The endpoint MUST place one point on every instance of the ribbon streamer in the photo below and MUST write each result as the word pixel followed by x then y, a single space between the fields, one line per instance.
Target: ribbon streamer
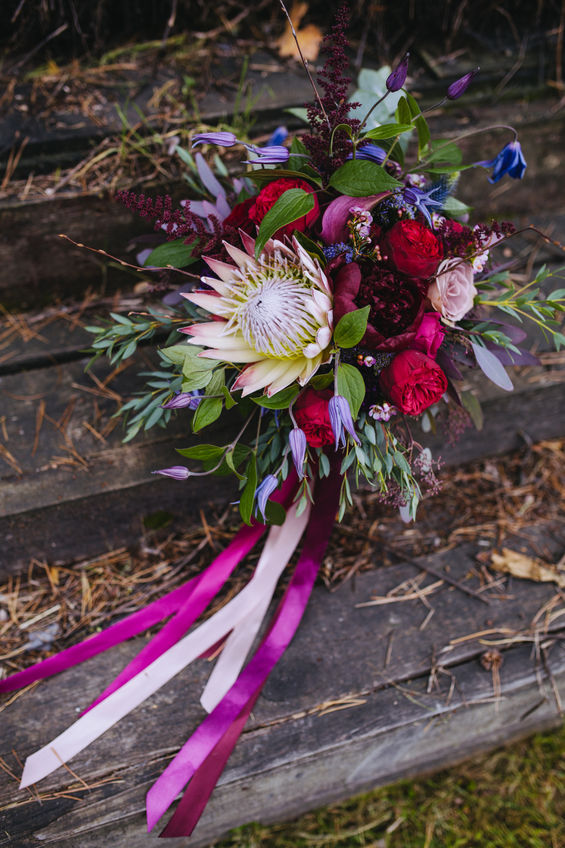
pixel 138 688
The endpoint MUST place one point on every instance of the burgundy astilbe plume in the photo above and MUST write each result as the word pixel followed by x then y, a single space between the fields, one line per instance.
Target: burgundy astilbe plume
pixel 179 223
pixel 335 84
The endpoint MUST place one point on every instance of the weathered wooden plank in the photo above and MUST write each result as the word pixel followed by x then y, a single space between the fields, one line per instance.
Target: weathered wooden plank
pixel 296 752
pixel 109 488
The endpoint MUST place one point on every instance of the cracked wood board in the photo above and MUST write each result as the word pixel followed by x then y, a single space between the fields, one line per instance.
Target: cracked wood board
pixel 299 751
pixel 74 480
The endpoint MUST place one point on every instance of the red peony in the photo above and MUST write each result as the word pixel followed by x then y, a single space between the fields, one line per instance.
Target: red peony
pixel 396 303
pixel 268 196
pixel 413 249
pixel 312 416
pixel 413 381
pixel 239 216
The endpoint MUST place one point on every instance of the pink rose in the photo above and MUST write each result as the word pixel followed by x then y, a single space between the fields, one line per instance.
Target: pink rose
pixel 452 292
pixel 429 334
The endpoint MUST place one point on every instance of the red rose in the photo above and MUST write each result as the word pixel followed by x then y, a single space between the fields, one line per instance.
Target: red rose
pixel 312 415
pixel 413 249
pixel 413 381
pixel 268 196
pixel 239 216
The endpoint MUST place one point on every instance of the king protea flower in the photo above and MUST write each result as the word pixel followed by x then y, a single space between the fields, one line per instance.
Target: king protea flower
pixel 273 313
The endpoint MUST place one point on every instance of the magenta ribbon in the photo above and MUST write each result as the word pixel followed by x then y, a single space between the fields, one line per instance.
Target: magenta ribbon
pixel 203 756
pixel 187 601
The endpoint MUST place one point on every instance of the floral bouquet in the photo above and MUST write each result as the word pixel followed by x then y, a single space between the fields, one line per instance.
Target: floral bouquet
pixel 344 298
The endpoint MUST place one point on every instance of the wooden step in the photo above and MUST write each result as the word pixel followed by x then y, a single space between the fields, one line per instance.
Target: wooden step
pixel 364 696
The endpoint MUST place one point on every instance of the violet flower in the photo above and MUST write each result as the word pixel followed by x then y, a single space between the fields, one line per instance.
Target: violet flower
pixel 460 86
pixel 397 78
pixel 341 420
pixel 274 154
pixel 278 135
pixel 177 472
pixel 222 139
pixel 264 491
pixel 509 161
pixel 297 442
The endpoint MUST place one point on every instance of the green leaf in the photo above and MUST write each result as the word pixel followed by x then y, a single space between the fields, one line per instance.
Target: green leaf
pixel 248 494
pixel 445 152
pixel 321 381
pixel 229 459
pixel 175 253
pixel 208 411
pixel 205 453
pixel 228 398
pixel 194 365
pixel 403 113
pixel 292 205
pixel 299 155
pixel 422 128
pixel 179 352
pixel 351 327
pixel 267 175
pixel 310 246
pixel 361 178
pixel 275 513
pixel 388 131
pixel 281 400
pixel 455 207
pixel 351 385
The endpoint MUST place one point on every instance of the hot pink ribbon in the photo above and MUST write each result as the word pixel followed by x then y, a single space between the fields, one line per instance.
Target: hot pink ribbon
pixel 188 600
pixel 220 730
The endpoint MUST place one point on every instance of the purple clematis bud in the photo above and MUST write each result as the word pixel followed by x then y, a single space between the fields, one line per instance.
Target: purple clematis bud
pixel 397 78
pixel 177 472
pixel 509 161
pixel 341 420
pixel 297 442
pixel 222 139
pixel 460 86
pixel 182 400
pixel 276 154
pixel 264 491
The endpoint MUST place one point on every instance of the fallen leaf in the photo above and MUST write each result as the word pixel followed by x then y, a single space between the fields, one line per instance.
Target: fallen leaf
pixel 309 38
pixel 521 565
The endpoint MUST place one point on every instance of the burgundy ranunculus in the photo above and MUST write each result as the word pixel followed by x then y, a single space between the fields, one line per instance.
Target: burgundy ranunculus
pixel 239 217
pixel 413 249
pixel 396 303
pixel 311 412
pixel 429 334
pixel 269 195
pixel 413 381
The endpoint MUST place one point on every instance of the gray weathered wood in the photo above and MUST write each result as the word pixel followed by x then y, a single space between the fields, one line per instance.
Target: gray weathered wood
pixel 297 752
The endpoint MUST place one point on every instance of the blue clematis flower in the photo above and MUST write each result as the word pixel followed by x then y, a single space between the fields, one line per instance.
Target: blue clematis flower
pixel 297 442
pixel 341 420
pixel 423 200
pixel 509 161
pixel 264 491
pixel 222 139
pixel 370 151
pixel 177 472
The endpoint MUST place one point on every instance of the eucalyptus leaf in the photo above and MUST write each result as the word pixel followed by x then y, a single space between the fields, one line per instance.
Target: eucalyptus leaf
pixel 281 400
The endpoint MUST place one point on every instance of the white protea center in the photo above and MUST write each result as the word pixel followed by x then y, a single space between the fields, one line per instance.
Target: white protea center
pixel 275 311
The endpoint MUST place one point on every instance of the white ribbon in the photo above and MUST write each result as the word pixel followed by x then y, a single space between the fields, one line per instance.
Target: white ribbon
pixel 251 601
pixel 278 550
